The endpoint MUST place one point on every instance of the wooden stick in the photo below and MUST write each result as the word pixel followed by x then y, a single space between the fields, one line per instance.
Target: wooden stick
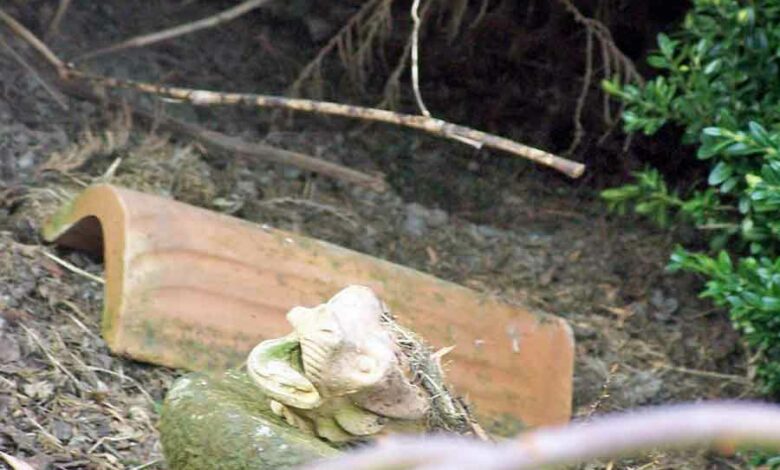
pixel 210 98
pixel 54 26
pixel 221 142
pixel 207 137
pixel 31 39
pixel 170 33
pixel 429 125
pixel 59 99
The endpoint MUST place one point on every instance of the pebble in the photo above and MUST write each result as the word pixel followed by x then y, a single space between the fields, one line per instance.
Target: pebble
pixel 26 161
pixel 291 173
pixel 61 430
pixel 415 220
pixel 438 218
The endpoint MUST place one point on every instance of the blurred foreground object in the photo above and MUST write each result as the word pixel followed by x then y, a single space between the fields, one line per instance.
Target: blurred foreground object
pixel 724 426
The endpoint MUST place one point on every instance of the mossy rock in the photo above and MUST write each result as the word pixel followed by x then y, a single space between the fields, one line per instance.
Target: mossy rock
pixel 224 422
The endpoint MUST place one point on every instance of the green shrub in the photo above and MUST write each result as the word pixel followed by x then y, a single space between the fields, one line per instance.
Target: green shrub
pixel 720 81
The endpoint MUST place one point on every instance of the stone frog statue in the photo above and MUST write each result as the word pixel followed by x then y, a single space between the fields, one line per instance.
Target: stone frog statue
pixel 340 374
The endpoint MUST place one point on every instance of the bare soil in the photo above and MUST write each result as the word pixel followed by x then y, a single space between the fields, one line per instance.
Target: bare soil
pixel 485 221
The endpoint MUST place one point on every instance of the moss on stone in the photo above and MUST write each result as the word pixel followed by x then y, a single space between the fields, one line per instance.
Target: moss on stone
pixel 224 422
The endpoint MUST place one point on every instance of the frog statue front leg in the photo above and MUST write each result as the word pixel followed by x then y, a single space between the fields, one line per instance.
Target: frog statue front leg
pixel 339 374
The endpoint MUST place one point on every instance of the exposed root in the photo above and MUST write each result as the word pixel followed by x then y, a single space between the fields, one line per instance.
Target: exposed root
pixel 355 43
pixel 613 62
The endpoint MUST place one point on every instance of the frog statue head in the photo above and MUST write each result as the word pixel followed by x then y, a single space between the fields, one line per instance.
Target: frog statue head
pixel 340 373
pixel 344 347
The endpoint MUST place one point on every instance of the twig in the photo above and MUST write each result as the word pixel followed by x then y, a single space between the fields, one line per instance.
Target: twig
pixel 614 62
pixel 233 145
pixel 15 463
pixel 54 26
pixel 624 64
pixel 709 374
pixel 51 91
pixel 43 430
pixel 579 130
pixel 604 395
pixel 391 93
pixel 122 378
pixel 336 42
pixel 209 138
pixel 73 267
pixel 187 28
pixel 415 59
pixel 147 464
pixel 209 98
pixel 36 43
pixel 314 205
pixel 57 364
pixel 480 14
pixel 719 424
pixel 426 124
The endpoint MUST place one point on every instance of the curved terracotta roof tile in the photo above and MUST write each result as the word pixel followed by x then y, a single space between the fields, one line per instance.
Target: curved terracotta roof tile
pixel 186 287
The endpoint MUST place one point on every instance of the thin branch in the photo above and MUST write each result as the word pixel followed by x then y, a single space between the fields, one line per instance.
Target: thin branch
pixel 579 130
pixel 341 41
pixel 57 364
pixel 59 99
pixel 605 37
pixel 710 374
pixel 73 268
pixel 391 93
pixel 15 463
pixel 415 59
pixel 722 425
pixel 210 98
pixel 233 145
pixel 187 28
pixel 480 14
pixel 426 124
pixel 54 26
pixel 207 137
pixel 36 43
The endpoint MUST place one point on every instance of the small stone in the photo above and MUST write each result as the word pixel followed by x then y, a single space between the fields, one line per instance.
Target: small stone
pixel 415 221
pixel 61 430
pixel 26 161
pixel 266 178
pixel 438 218
pixel 247 190
pixel 582 331
pixel 488 231
pixel 291 173
pixel 319 28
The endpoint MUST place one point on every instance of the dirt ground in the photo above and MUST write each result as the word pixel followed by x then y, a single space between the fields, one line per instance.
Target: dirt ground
pixel 488 222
